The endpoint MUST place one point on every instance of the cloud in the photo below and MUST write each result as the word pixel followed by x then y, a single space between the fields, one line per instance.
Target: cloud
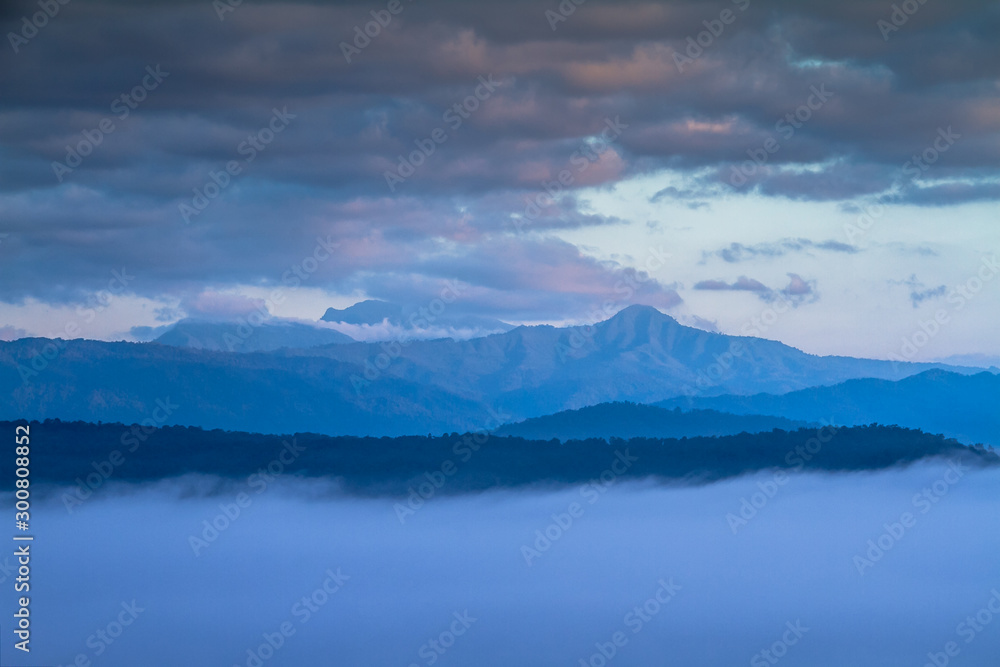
pixel 525 279
pixel 797 287
pixel 693 198
pixel 394 332
pixel 738 252
pixel 798 290
pixel 702 323
pixel 146 334
pixel 10 332
pixel 324 176
pixel 919 292
pixel 785 566
pixel 742 284
pixel 212 305
pixel 555 92
pixel 918 297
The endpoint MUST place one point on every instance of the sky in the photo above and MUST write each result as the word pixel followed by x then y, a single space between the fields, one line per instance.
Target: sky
pixel 827 170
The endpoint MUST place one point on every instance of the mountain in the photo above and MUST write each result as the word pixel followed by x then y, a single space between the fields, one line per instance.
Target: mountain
pixel 127 382
pixel 987 361
pixel 963 407
pixel 633 420
pixel 638 355
pixel 373 313
pixel 242 337
pixel 411 386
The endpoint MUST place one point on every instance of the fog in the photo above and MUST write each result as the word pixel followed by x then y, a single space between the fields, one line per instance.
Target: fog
pixel 456 571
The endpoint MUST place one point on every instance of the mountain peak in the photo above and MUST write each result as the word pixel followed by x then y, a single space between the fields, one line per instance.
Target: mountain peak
pixel 637 312
pixel 639 325
pixel 370 311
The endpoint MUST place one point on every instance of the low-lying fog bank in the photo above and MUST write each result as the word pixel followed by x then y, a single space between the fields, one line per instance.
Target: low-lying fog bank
pixel 862 569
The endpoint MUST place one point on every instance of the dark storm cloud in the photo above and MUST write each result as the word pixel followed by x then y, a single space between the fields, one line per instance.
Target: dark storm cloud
pixel 550 95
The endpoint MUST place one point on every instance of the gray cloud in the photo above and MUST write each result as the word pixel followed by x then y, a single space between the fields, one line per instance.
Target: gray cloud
pixel 798 290
pixel 798 286
pixel 919 292
pixel 10 332
pixel 742 284
pixel 739 252
pixel 325 174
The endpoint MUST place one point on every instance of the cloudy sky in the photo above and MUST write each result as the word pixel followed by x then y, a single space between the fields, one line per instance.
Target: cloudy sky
pixel 824 173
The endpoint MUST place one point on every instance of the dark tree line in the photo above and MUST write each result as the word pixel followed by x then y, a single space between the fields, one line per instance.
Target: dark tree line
pixel 62 452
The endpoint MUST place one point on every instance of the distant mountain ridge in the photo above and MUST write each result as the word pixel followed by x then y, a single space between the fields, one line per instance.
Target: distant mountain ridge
pixel 638 355
pixel 244 337
pixel 373 312
pixel 634 420
pixel 985 361
pixel 429 386
pixel 964 407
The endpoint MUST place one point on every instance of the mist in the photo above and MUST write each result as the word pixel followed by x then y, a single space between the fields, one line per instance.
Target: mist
pixel 634 573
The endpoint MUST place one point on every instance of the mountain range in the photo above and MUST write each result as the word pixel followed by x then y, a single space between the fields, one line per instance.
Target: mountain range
pixel 414 386
pixel 638 355
pixel 634 420
pixel 245 337
pixel 963 407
